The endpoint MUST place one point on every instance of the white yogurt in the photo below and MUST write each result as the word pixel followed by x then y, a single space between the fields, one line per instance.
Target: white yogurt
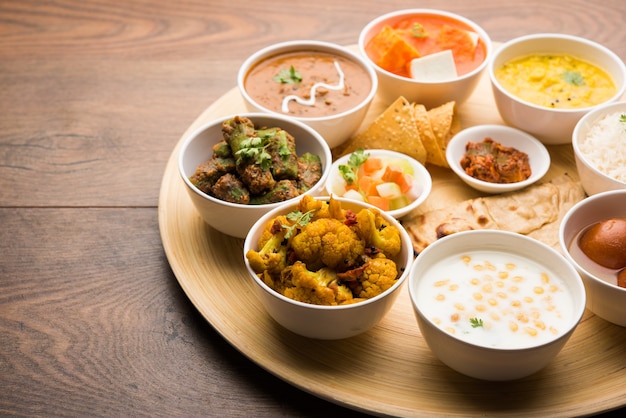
pixel 495 299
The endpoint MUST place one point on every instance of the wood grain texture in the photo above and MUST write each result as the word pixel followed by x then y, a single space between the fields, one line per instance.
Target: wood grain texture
pixel 94 96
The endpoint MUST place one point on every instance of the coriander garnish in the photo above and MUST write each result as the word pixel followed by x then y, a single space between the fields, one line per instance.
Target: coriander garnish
pixel 290 76
pixel 476 322
pixel 418 31
pixel 574 77
pixel 301 219
pixel 254 148
pixel 348 171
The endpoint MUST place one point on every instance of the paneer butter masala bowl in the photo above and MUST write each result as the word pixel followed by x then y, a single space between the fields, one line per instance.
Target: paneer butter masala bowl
pixel 391 181
pixel 327 268
pixel 324 85
pixel 495 305
pixel 239 167
pixel 544 83
pixel 428 56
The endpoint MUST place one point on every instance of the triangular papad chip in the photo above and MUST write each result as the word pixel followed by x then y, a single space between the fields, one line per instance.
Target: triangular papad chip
pixel 445 123
pixel 434 154
pixel 395 129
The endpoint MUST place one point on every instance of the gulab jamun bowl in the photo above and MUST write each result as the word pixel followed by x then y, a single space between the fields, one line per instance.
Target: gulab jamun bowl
pixel 592 236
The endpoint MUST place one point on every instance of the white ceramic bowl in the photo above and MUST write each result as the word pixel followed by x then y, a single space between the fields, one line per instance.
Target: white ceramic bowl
pixel 514 355
pixel 423 183
pixel 551 126
pixel 434 93
pixel 538 156
pixel 327 322
pixel 604 297
pixel 593 180
pixel 335 129
pixel 231 218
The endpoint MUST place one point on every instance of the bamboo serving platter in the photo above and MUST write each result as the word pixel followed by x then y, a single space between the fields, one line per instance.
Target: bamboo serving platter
pixel 388 370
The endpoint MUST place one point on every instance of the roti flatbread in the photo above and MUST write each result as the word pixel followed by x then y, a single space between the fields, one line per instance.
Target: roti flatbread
pixel 535 211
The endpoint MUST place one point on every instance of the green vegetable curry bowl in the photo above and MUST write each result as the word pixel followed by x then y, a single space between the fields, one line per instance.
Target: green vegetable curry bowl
pixel 379 267
pixel 233 183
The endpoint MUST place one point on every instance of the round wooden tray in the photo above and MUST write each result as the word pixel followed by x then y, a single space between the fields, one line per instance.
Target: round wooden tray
pixel 388 370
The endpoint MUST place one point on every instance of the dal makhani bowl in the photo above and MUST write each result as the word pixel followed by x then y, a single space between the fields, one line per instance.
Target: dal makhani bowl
pixel 326 86
pixel 599 141
pixel 428 56
pixel 327 290
pixel 495 305
pixel 544 83
pixel 206 165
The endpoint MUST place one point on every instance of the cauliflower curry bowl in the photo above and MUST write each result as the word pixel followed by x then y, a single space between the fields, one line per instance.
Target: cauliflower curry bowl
pixel 427 56
pixel 326 86
pixel 326 267
pixel 239 167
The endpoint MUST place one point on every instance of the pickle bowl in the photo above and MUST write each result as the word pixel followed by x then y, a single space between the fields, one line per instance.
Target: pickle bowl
pixel 551 124
pixel 538 155
pixel 323 321
pixel 236 219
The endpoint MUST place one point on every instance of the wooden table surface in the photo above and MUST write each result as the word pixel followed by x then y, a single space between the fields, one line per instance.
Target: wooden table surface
pixel 94 95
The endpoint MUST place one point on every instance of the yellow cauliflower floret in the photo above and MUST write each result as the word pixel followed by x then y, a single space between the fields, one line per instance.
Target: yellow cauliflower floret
pixel 327 242
pixel 378 233
pixel 272 255
pixel 379 274
pixel 317 287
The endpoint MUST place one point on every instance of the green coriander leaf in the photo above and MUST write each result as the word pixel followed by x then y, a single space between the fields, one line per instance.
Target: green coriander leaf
pixel 476 322
pixel 346 172
pixel 355 160
pixel 417 31
pixel 290 76
pixel 622 118
pixel 574 77
pixel 300 219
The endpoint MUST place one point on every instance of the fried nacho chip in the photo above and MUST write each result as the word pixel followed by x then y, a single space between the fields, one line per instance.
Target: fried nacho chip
pixel 395 129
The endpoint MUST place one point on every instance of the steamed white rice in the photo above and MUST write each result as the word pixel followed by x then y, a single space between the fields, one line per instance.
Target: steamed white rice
pixel 604 146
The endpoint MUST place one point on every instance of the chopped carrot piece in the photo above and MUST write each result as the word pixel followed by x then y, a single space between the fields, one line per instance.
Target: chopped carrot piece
pixel 371 165
pixel 368 186
pixel 405 181
pixel 392 173
pixel 390 50
pixel 379 202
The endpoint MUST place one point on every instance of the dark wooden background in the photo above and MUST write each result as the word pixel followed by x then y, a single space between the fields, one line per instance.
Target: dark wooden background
pixel 94 94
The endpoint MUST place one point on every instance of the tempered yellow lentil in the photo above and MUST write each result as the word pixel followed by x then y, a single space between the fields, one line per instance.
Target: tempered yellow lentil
pixel 556 81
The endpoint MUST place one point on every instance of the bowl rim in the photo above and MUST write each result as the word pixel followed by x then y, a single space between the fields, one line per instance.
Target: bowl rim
pixel 424 174
pixel 481 236
pixel 248 244
pixel 588 119
pixel 304 45
pixel 484 36
pixel 536 175
pixel 621 89
pixel 251 115
pixel 564 246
